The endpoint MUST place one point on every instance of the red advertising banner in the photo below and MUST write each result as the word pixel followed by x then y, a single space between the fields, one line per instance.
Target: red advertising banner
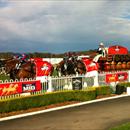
pixel 90 66
pixel 43 68
pixel 19 87
pixel 120 76
pixel 113 50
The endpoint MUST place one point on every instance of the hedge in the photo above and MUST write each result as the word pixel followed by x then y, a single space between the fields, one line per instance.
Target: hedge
pixel 44 100
pixel 121 87
pixel 103 90
pixel 24 103
pixel 125 84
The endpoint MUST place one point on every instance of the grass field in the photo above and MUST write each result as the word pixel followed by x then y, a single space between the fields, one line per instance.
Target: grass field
pixel 4 77
pixel 122 127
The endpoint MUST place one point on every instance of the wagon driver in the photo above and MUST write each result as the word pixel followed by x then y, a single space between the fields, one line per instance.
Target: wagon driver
pixel 101 52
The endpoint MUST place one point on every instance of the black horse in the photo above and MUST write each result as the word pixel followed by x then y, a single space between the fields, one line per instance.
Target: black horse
pixel 70 66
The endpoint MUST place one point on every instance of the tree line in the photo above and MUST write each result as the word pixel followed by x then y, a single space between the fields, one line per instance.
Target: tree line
pixel 7 55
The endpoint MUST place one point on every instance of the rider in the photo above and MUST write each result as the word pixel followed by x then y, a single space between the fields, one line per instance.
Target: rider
pixel 17 56
pixel 23 59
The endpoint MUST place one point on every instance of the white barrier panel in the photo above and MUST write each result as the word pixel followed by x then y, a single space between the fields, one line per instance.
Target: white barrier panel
pixel 42 78
pixel 128 90
pixel 93 74
pixel 129 76
pixel 53 60
pixel 51 84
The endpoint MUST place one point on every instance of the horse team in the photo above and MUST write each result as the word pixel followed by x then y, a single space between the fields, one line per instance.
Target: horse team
pixel 68 66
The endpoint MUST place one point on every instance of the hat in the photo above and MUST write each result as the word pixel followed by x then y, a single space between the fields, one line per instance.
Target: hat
pixel 23 54
pixel 101 44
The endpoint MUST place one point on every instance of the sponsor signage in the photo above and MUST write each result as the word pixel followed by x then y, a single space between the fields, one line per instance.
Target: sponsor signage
pixel 90 66
pixel 120 76
pixel 28 87
pixel 19 87
pixel 77 83
pixel 113 50
pixel 43 68
pixel 10 88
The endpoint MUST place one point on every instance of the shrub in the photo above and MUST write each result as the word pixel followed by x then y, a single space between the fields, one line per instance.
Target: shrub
pixel 24 103
pixel 125 84
pixel 103 90
pixel 121 87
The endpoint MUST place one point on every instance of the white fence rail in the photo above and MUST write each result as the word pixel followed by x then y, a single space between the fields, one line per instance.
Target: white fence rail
pixel 2 70
pixel 67 83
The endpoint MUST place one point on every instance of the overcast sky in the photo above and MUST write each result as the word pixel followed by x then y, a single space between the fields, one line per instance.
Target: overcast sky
pixel 59 26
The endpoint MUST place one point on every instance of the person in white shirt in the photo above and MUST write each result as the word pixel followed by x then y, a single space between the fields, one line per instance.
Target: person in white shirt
pixel 101 52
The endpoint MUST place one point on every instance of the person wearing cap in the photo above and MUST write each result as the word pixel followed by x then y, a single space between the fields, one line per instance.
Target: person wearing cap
pixel 23 59
pixel 101 52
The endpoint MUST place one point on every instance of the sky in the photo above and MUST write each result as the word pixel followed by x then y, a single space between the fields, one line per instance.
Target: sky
pixel 59 26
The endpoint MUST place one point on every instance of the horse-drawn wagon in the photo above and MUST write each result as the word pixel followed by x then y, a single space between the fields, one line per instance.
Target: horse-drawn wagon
pixel 116 58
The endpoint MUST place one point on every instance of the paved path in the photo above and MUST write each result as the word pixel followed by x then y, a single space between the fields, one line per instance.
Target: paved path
pixel 95 116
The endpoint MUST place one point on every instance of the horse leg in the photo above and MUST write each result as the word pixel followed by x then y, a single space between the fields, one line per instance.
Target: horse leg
pixel 12 74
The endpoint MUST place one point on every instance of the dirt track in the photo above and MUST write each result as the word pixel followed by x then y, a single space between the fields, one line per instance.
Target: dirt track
pixel 95 116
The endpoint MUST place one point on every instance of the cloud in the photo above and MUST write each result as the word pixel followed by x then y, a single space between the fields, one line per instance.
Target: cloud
pixel 57 26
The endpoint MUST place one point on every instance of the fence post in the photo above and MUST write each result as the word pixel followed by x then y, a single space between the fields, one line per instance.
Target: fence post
pixel 96 79
pixel 70 87
pixel 85 85
pixel 50 89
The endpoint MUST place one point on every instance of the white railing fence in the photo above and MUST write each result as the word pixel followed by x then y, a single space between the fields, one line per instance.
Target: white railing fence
pixel 52 84
pixel 2 70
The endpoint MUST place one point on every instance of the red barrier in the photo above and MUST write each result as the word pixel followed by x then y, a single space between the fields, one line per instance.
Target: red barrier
pixel 43 68
pixel 119 76
pixel 90 65
pixel 19 87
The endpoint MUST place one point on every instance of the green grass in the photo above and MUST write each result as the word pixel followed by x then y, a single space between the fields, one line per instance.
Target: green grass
pixel 55 73
pixel 125 126
pixel 24 103
pixel 4 77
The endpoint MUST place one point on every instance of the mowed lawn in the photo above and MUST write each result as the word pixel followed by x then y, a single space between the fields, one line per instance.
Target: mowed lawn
pixel 4 77
pixel 122 127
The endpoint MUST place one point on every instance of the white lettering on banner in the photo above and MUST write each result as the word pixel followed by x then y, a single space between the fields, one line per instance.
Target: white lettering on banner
pixel 45 67
pixel 29 87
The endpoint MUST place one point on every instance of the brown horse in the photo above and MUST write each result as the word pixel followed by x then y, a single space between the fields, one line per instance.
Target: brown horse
pixel 26 70
pixel 10 65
